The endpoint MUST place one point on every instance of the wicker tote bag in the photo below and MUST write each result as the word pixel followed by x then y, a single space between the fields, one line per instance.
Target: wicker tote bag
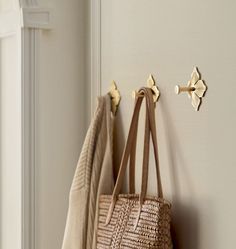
pixel 136 220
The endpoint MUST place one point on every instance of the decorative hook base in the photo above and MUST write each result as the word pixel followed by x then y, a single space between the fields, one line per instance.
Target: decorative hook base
pixel 151 84
pixel 195 88
pixel 115 97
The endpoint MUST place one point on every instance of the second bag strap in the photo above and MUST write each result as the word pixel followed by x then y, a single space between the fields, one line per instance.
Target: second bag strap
pixel 151 111
pixel 150 128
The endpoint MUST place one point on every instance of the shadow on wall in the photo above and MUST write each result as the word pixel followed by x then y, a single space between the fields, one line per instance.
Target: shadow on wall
pixel 119 142
pixel 185 217
pixel 185 226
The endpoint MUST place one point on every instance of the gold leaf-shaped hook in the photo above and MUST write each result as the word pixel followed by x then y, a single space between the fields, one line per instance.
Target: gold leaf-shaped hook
pixel 115 97
pixel 151 84
pixel 195 88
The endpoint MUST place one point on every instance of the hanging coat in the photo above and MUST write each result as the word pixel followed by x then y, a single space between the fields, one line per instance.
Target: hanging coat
pixel 93 176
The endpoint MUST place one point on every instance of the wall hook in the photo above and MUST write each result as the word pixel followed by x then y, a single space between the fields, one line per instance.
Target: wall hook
pixel 151 84
pixel 115 97
pixel 195 88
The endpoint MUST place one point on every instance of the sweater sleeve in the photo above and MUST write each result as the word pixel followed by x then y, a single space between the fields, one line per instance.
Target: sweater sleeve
pixel 76 223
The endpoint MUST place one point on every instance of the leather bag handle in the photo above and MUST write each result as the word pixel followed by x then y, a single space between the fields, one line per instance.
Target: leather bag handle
pixel 150 127
pixel 132 158
pixel 133 150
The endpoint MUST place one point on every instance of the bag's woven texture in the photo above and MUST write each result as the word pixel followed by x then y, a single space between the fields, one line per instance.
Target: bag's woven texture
pixel 152 231
pixel 131 221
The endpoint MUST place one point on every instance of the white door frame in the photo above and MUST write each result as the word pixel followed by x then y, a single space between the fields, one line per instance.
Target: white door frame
pixel 26 19
pixel 31 28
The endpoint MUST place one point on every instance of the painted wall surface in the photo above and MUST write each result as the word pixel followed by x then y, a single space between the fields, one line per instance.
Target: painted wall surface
pixel 167 39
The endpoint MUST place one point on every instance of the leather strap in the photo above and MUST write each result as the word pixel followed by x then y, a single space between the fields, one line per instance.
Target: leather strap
pixel 150 129
pixel 132 171
pixel 133 151
pixel 132 161
pixel 152 122
pixel 133 157
pixel 146 150
pixel 129 151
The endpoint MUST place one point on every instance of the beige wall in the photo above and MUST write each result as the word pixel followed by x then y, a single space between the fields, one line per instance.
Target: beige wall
pixel 167 39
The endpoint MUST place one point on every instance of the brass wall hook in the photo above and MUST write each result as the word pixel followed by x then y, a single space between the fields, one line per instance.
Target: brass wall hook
pixel 195 88
pixel 151 84
pixel 115 97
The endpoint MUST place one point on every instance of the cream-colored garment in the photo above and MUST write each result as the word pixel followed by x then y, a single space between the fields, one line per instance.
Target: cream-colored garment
pixel 93 176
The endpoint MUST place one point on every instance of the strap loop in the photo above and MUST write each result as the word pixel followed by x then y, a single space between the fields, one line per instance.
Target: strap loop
pixel 129 151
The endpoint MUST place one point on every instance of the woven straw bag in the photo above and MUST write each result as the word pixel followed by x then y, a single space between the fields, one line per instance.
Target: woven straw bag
pixel 135 220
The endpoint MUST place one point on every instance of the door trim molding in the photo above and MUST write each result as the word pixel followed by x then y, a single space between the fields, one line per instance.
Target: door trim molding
pixel 25 17
pixel 36 17
pixel 29 114
pixel 33 19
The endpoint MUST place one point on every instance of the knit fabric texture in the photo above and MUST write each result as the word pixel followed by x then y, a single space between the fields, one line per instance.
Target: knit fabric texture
pixel 93 176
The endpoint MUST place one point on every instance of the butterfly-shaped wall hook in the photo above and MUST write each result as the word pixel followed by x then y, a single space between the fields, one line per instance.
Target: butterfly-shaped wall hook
pixel 151 84
pixel 115 97
pixel 196 89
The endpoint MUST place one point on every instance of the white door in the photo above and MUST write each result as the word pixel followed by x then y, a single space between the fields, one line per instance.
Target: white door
pixel 197 149
pixel 42 118
pixel 10 129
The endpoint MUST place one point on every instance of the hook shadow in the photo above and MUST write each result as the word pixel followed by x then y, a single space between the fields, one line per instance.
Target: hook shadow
pixel 185 218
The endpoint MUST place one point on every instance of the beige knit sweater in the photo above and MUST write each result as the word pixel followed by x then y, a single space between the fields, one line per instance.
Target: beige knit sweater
pixel 93 176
